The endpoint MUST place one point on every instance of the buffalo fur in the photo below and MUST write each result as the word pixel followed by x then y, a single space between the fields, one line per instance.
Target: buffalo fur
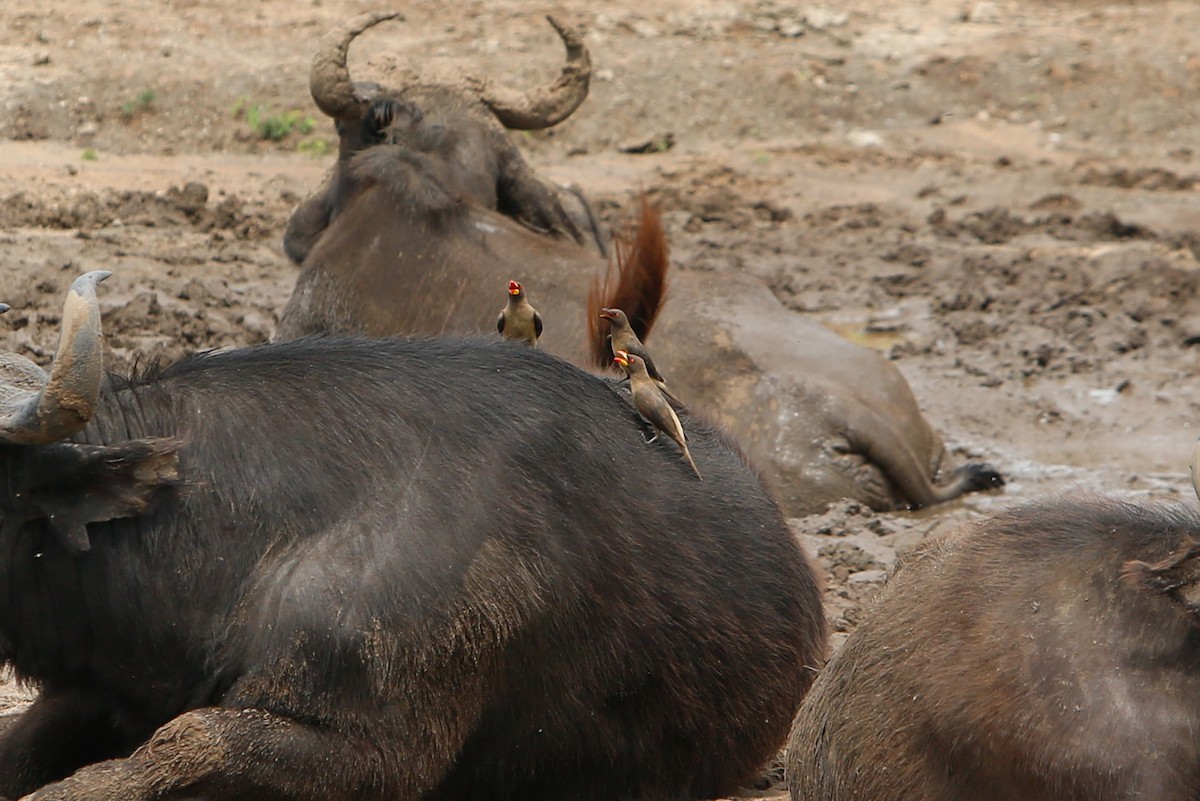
pixel 1049 653
pixel 401 569
pixel 440 262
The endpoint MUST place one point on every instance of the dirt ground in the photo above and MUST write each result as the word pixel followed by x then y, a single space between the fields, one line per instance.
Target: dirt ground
pixel 1003 196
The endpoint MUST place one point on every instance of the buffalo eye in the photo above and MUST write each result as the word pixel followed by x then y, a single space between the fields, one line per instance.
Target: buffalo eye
pixel 380 114
pixel 384 115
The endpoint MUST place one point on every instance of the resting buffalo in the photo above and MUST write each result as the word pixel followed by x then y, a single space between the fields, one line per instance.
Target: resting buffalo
pixel 417 231
pixel 1047 654
pixel 381 569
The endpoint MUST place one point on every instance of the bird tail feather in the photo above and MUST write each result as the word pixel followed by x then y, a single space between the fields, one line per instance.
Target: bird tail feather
pixel 635 282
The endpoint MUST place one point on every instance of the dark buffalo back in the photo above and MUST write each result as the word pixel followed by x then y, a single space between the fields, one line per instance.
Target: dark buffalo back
pixel 461 552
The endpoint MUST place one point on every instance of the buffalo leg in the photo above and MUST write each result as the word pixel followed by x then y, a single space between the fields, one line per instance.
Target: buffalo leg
pixel 58 734
pixel 881 443
pixel 221 753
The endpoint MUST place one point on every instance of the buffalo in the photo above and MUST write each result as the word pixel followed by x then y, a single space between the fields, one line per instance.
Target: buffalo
pixel 1050 653
pixel 453 143
pixel 339 568
pixel 430 210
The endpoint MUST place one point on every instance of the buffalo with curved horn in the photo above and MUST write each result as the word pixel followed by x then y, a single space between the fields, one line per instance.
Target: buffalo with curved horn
pixel 430 210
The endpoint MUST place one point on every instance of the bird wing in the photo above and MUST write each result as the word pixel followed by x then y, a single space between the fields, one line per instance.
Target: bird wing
pixel 500 323
pixel 671 397
pixel 654 407
pixel 650 368
pixel 537 324
pixel 628 341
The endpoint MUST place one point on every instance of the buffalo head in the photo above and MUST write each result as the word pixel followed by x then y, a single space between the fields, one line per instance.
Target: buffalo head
pixel 441 140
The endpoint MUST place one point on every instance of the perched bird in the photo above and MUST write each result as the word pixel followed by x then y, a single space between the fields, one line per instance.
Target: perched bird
pixel 518 319
pixel 650 403
pixel 623 338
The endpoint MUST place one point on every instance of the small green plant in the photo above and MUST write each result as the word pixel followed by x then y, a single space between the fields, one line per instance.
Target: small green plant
pixel 314 146
pixel 89 154
pixel 140 103
pixel 269 125
pixel 276 127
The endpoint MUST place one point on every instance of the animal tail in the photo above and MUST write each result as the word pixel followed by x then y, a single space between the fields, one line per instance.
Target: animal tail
pixel 636 283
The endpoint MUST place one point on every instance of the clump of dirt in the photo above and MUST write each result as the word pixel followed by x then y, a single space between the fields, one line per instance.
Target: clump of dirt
pixel 1149 179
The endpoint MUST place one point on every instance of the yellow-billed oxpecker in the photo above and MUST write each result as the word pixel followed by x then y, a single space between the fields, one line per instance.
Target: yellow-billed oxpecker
pixel 518 319
pixel 624 338
pixel 650 403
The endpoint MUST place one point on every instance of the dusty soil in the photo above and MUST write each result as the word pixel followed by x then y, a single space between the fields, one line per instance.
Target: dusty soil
pixel 1001 195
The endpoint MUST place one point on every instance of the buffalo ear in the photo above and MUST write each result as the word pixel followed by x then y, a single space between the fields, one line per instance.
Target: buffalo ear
pixel 1177 576
pixel 81 484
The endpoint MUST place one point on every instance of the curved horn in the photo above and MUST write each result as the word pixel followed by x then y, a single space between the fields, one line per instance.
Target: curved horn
pixel 550 106
pixel 36 408
pixel 329 78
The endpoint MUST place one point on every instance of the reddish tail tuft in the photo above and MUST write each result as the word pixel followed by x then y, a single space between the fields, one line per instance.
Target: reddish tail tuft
pixel 640 283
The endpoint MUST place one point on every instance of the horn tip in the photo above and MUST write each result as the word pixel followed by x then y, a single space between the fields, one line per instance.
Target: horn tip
pixel 87 282
pixel 565 31
pixel 4 307
pixel 373 18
